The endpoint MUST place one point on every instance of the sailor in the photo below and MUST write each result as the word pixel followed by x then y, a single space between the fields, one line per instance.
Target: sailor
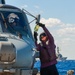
pixel 47 52
pixel 13 19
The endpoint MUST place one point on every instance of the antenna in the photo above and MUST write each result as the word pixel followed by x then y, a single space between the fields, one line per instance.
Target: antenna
pixel 58 49
pixel 2 1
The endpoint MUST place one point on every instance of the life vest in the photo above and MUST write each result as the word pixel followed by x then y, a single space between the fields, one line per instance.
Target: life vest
pixel 47 54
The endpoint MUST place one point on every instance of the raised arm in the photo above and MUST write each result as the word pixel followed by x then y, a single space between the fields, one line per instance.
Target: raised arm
pixel 35 38
pixel 50 37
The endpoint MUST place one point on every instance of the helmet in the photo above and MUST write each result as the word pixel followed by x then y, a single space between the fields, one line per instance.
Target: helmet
pixel 13 18
pixel 42 34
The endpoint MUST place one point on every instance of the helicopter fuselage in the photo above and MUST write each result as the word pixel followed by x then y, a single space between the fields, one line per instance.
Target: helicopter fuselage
pixel 17 47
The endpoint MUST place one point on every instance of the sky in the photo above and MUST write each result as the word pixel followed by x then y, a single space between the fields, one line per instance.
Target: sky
pixel 58 16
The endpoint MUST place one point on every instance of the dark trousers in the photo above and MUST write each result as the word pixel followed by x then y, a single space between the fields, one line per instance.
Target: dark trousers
pixel 50 70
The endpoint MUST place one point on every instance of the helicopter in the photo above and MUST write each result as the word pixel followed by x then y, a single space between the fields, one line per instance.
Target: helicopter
pixel 17 46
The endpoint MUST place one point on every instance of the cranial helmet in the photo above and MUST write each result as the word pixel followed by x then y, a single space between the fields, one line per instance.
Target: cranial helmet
pixel 42 34
pixel 13 18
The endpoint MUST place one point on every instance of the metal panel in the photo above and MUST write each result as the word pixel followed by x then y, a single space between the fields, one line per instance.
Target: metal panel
pixel 26 72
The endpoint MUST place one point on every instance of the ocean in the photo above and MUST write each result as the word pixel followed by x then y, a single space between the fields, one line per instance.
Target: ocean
pixel 62 66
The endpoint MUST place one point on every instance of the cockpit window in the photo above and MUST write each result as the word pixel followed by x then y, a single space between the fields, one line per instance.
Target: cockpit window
pixel 13 22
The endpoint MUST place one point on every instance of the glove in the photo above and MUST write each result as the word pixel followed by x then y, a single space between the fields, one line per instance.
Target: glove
pixel 35 35
pixel 40 24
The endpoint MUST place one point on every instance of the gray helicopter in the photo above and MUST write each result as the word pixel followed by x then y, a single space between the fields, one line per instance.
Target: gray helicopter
pixel 17 46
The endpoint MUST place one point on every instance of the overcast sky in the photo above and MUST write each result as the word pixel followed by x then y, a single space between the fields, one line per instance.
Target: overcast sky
pixel 59 18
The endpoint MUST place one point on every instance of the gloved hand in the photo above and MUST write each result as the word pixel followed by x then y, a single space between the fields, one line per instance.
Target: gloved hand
pixel 35 35
pixel 41 25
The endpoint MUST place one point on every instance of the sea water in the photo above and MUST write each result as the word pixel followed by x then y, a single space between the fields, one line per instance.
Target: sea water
pixel 62 66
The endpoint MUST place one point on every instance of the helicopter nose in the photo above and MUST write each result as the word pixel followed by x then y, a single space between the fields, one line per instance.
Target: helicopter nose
pixel 7 53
